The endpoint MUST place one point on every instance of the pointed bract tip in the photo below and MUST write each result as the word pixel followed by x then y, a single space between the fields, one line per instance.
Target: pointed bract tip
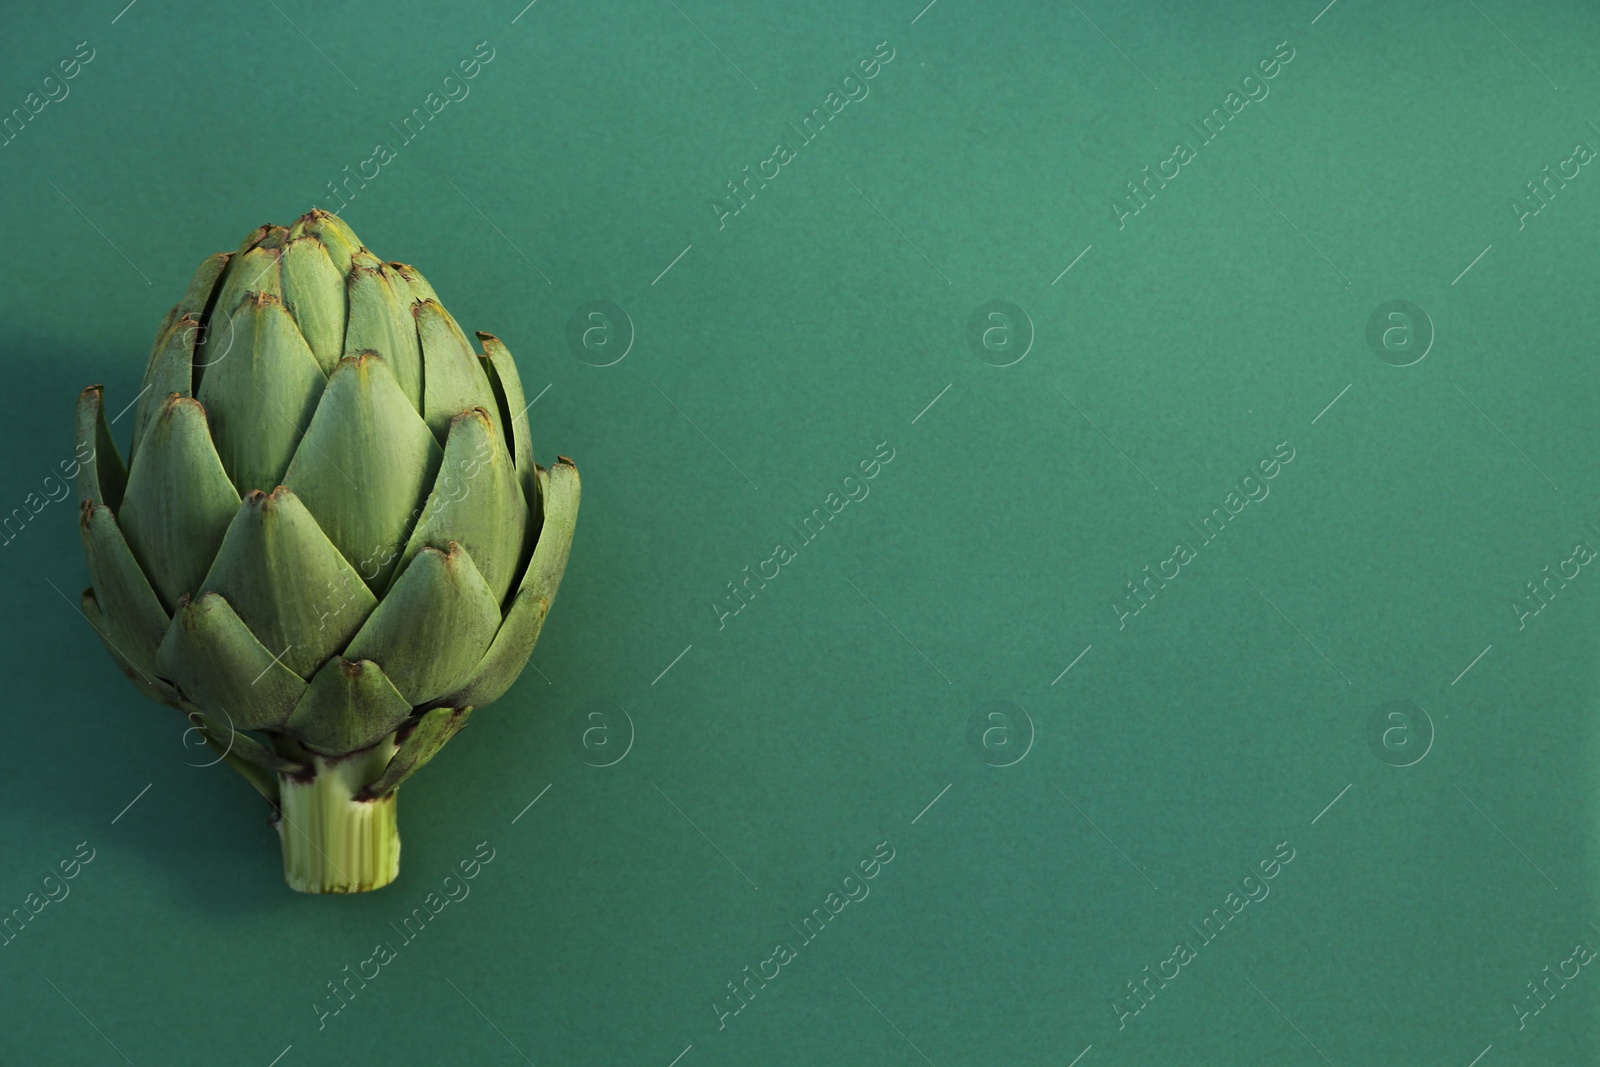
pixel 449 556
pixel 358 360
pixel 479 413
pixel 263 233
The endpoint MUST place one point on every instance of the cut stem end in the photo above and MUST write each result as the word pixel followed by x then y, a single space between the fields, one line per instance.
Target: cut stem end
pixel 333 842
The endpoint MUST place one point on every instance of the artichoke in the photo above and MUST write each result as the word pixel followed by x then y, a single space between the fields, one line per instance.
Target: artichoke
pixel 330 541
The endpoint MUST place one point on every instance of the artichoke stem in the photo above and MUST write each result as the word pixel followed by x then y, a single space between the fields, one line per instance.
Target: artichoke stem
pixel 332 842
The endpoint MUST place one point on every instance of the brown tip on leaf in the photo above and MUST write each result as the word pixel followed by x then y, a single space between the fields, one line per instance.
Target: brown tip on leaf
pixel 473 412
pixel 351 668
pixel 86 511
pixel 100 389
pixel 256 236
pixel 450 556
pixel 567 461
pixel 482 336
pixel 255 498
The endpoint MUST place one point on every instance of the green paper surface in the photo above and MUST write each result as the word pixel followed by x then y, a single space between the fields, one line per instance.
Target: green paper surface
pixel 926 514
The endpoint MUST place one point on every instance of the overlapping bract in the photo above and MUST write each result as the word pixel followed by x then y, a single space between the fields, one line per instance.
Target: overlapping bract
pixel 331 526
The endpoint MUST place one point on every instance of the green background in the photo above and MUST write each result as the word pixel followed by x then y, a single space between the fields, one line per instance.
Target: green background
pixel 773 356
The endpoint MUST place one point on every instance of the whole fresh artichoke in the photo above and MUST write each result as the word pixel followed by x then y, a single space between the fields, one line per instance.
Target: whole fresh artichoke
pixel 330 541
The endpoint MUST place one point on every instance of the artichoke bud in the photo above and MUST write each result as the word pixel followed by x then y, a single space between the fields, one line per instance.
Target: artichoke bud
pixel 331 541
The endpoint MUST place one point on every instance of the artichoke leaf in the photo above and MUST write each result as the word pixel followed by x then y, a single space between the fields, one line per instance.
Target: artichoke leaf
pixel 203 286
pixel 220 667
pixel 560 490
pixel 154 688
pixel 313 291
pixel 420 289
pixel 508 653
pixel 428 735
pixel 261 235
pixel 196 298
pixel 453 381
pixel 251 273
pixel 288 582
pixel 409 349
pixel 161 375
pixel 238 748
pixel 171 372
pixel 365 466
pixel 260 391
pixel 347 707
pixel 178 501
pixel 339 240
pixel 475 501
pixel 380 321
pixel 507 383
pixel 432 628
pixel 101 476
pixel 135 620
pixel 514 641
